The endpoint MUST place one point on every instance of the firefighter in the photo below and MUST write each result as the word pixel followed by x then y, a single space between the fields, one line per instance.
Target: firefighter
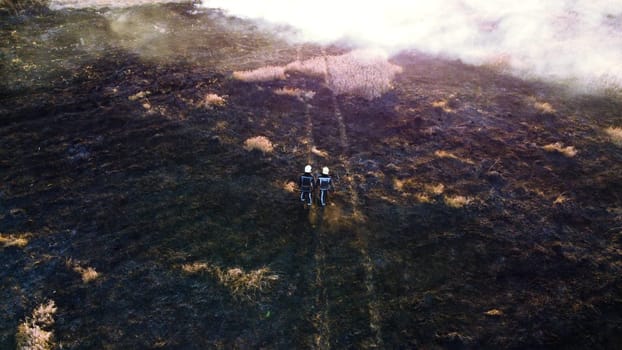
pixel 306 184
pixel 324 183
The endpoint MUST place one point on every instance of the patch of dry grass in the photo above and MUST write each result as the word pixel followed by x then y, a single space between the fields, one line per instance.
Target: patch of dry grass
pixel 365 73
pixel 319 152
pixel 139 95
pixel 398 184
pixel 34 333
pixel 615 135
pixel 88 273
pixel 544 107
pixel 289 186
pixel 560 199
pixel 213 100
pixel 445 154
pixel 423 198
pixel 361 72
pixel 568 151
pixel 457 201
pixel 442 104
pixel 494 312
pixel 241 283
pixel 260 143
pixel 434 189
pixel 19 240
pixel 266 73
pixel 315 67
pixel 295 92
pixel 195 267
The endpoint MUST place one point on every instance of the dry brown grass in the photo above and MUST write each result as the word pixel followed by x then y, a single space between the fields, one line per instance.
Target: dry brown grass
pixel 457 201
pixel 213 100
pixel 295 92
pixel 19 240
pixel 423 198
pixel 568 151
pixel 494 312
pixel 88 274
pixel 34 333
pixel 241 283
pixel 139 95
pixel 434 189
pixel 445 154
pixel 266 73
pixel 560 199
pixel 260 143
pixel 615 135
pixel 195 267
pixel 442 104
pixel 289 186
pixel 319 152
pixel 364 73
pixel 315 67
pixel 544 107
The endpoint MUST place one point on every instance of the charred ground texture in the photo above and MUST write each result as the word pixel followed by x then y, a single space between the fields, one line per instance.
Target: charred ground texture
pixel 454 227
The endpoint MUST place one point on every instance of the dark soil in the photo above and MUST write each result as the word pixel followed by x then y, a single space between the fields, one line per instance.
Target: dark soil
pixel 137 187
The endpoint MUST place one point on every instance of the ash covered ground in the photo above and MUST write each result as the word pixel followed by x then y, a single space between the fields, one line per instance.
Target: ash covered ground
pixel 473 209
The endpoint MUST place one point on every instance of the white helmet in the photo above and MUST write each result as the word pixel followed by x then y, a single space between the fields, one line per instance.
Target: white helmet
pixel 308 169
pixel 325 170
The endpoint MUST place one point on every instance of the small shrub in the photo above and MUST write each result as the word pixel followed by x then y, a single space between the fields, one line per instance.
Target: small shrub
pixel 260 143
pixel 34 333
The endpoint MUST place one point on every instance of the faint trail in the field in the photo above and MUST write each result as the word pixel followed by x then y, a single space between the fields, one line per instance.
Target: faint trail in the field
pixel 321 339
pixel 361 233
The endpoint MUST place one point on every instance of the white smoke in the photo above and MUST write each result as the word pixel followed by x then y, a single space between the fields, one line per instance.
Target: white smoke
pixel 579 40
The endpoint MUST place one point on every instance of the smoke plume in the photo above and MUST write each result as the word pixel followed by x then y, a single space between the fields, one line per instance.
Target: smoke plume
pixel 569 40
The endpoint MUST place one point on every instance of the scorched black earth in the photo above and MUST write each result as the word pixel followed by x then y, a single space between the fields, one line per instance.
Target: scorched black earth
pixel 151 196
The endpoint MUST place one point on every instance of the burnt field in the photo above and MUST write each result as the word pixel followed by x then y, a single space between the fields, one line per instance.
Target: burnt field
pixel 473 209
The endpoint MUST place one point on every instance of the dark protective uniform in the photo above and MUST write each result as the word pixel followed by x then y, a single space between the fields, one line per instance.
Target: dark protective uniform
pixel 325 184
pixel 306 184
